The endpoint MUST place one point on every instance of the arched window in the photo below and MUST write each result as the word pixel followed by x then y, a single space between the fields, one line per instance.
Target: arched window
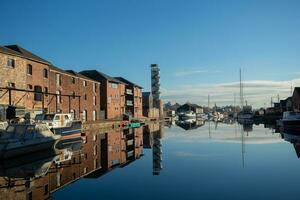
pixel 38 95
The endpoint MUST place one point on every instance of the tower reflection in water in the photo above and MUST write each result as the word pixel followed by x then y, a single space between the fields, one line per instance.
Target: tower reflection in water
pixel 36 176
pixel 153 134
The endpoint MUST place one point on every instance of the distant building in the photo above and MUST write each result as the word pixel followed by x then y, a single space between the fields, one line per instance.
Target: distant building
pixel 296 99
pixel 190 107
pixel 112 102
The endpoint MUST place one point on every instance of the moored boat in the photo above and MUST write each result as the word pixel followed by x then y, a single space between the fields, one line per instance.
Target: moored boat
pixel 290 121
pixel 61 124
pixel 20 139
pixel 188 115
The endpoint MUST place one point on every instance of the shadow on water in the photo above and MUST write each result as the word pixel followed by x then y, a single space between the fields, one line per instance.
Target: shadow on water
pixel 38 175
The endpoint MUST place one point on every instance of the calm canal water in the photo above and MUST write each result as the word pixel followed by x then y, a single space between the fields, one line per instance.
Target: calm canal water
pixel 188 161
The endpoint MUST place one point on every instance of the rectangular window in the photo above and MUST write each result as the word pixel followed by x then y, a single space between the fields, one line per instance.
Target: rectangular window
pixel 11 62
pixel 94 100
pixel 45 73
pixel 11 85
pixel 84 83
pixel 46 189
pixel 29 69
pixel 73 80
pixel 114 85
pixel 95 87
pixel 58 79
pixel 29 87
pixel 38 94
pixel 46 91
pixel 58 93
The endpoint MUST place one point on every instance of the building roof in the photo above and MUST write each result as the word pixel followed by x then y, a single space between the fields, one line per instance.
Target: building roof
pixel 96 75
pixel 80 75
pixel 70 72
pixel 297 89
pixel 21 52
pixel 127 82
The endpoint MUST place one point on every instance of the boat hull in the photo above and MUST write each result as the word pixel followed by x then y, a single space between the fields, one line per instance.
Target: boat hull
pixel 17 149
pixel 73 131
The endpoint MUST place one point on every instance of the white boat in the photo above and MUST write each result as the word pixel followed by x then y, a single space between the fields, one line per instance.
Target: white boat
pixel 20 139
pixel 61 124
pixel 189 115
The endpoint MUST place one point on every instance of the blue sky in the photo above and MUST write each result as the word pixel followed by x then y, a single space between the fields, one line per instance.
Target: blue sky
pixel 199 45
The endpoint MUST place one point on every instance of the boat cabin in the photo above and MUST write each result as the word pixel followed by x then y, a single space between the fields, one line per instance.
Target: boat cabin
pixel 55 120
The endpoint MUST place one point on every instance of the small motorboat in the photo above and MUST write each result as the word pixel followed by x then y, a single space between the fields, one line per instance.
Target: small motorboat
pixel 188 115
pixel 20 139
pixel 61 124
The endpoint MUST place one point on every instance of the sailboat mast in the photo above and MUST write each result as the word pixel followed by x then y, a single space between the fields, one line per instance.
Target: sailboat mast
pixel 208 102
pixel 241 90
pixel 234 103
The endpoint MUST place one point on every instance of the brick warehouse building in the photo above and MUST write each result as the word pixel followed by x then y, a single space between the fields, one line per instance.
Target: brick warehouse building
pixel 84 94
pixel 33 84
pixel 133 98
pixel 112 94
pixel 23 70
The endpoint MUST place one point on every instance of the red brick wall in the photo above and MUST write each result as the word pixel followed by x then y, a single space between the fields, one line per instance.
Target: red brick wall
pixel 116 147
pixel 115 101
pixel 22 80
pixel 86 93
pixel 138 104
pixel 36 79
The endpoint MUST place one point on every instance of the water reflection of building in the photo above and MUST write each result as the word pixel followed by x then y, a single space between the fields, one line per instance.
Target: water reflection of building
pixel 153 133
pixel 44 173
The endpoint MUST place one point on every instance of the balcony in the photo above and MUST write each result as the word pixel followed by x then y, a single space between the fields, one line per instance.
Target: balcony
pixel 129 103
pixel 129 92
